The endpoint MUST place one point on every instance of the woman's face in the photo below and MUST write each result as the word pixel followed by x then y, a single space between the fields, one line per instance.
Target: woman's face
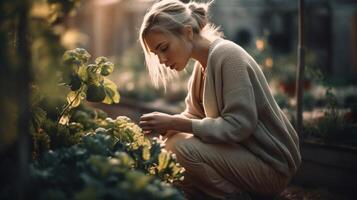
pixel 171 50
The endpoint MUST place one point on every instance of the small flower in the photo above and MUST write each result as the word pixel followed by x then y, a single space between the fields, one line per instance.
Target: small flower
pixel 182 170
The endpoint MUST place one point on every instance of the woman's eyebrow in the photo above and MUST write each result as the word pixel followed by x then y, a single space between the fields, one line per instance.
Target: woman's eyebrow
pixel 159 45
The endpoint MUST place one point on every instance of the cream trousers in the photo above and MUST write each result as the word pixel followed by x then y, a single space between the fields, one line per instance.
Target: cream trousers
pixel 218 170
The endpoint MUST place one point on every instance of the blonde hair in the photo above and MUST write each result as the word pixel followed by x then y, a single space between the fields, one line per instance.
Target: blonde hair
pixel 170 16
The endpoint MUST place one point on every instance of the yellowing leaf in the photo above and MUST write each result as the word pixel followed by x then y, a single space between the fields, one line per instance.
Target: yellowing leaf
pixel 73 98
pixel 93 74
pixel 146 153
pixel 164 159
pixel 111 90
pixel 107 68
pixel 82 95
pixel 82 54
pixel 82 73
pixel 64 120
pixel 100 60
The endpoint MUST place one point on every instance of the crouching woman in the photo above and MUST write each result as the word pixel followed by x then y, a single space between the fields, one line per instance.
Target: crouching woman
pixel 232 136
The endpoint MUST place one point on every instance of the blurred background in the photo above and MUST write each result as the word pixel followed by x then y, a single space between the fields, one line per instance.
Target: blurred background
pixel 35 33
pixel 267 29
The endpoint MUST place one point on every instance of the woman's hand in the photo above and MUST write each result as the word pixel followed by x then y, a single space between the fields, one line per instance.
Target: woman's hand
pixel 156 122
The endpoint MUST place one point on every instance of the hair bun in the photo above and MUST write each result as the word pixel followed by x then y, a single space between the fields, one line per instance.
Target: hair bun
pixel 199 12
pixel 196 8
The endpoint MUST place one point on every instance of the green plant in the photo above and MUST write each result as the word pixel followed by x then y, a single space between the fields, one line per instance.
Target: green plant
pixel 78 157
pixel 76 153
pixel 96 168
pixel 86 81
pixel 332 127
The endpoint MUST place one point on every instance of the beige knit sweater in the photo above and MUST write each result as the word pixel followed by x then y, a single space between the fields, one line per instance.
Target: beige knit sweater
pixel 238 107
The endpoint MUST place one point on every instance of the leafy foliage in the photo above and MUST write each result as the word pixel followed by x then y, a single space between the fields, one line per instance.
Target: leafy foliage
pixel 86 154
pixel 96 168
pixel 78 153
pixel 88 81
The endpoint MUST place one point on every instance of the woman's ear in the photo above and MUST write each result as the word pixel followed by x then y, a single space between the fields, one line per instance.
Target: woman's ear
pixel 188 32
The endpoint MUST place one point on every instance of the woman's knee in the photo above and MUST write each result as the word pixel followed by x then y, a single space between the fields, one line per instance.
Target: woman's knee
pixel 175 141
pixel 184 145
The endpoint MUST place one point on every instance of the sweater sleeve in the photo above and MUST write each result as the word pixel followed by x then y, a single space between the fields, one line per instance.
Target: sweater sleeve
pixel 238 118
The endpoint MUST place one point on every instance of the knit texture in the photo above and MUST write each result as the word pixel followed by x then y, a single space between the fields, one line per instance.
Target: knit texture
pixel 238 107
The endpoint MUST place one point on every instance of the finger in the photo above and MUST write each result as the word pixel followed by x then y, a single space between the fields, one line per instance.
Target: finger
pixel 155 112
pixel 146 128
pixel 145 123
pixel 146 117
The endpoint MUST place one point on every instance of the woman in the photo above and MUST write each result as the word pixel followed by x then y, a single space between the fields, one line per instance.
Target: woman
pixel 232 137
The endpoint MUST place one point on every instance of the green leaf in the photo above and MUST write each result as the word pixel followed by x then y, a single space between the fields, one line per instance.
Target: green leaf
pixel 92 68
pixel 82 73
pixel 82 95
pixel 75 82
pixel 164 159
pixel 100 60
pixel 107 68
pixel 95 93
pixel 82 54
pixel 93 74
pixel 146 153
pixel 76 56
pixel 71 57
pixel 111 90
pixel 75 127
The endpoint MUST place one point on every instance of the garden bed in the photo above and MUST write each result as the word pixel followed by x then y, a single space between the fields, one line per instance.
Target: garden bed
pixel 329 166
